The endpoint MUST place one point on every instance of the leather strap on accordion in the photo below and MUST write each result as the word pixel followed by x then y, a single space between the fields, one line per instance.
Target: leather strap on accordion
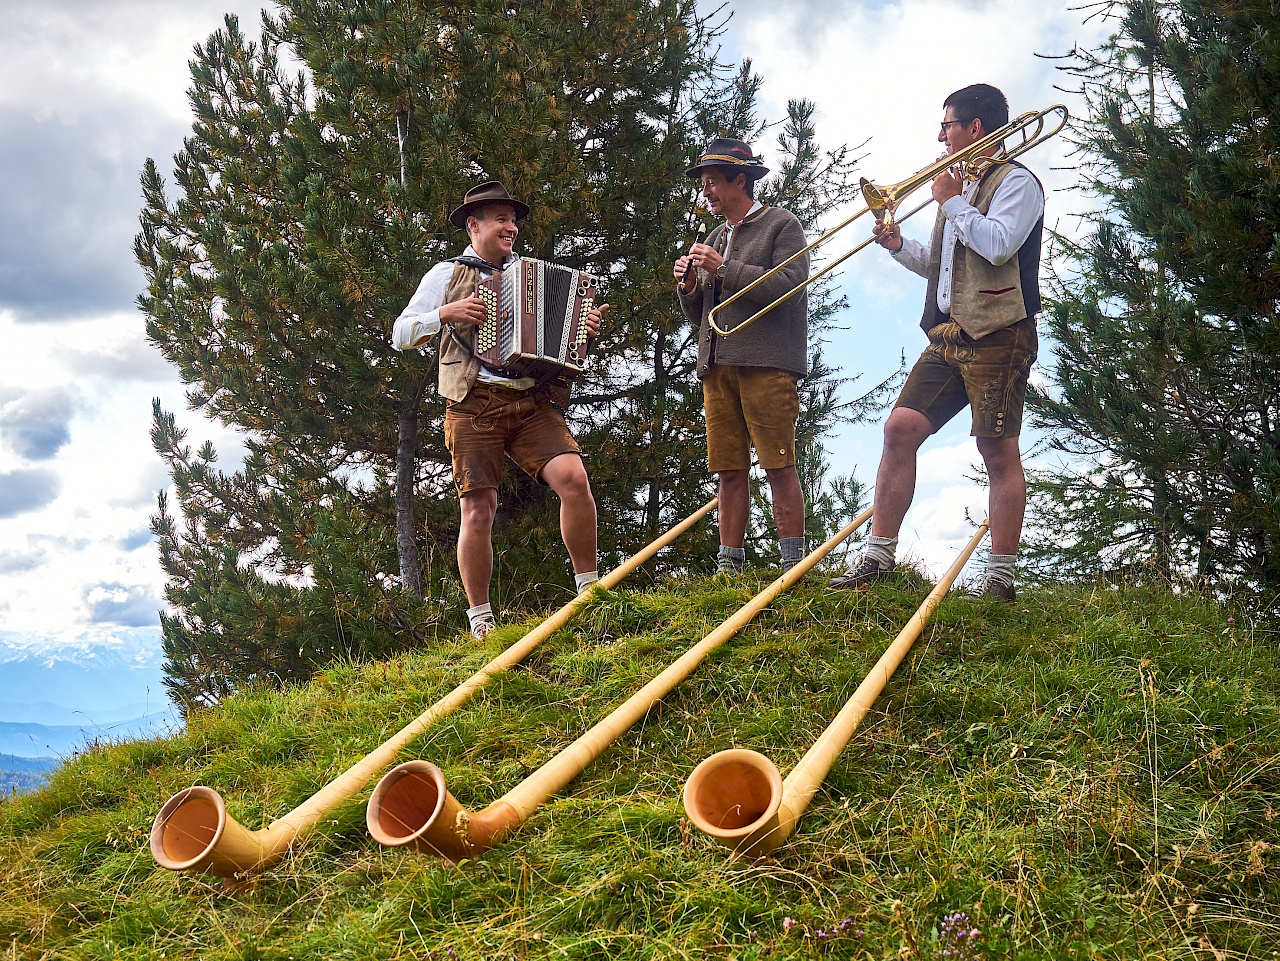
pixel 479 263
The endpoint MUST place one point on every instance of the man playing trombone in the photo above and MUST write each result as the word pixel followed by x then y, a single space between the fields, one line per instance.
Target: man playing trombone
pixel 750 381
pixel 979 314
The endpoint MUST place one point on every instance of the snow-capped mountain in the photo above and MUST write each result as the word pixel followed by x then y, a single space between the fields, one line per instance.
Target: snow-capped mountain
pixel 57 694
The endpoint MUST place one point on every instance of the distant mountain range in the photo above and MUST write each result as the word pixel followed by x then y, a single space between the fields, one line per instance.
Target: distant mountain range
pixel 23 774
pixel 55 698
pixel 62 740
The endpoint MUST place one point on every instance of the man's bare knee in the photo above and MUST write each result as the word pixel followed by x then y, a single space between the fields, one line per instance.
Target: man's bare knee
pixel 478 507
pixel 567 476
pixel 906 429
pixel 1000 455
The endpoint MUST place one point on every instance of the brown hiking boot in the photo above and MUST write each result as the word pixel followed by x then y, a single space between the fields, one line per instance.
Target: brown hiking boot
pixel 857 578
pixel 998 591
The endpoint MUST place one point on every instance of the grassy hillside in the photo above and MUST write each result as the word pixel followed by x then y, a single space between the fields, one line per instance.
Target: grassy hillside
pixel 1088 773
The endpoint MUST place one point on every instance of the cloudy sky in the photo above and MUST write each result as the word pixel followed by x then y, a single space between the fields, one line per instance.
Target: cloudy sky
pixel 90 88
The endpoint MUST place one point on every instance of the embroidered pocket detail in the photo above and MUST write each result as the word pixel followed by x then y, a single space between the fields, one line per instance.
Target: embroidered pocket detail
pixel 996 293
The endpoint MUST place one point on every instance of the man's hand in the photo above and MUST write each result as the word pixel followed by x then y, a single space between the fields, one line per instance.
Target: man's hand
pixel 594 316
pixel 945 186
pixel 705 257
pixel 469 310
pixel 699 255
pixel 682 265
pixel 887 236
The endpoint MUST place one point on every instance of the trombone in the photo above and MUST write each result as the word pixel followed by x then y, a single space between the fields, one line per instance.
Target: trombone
pixel 882 202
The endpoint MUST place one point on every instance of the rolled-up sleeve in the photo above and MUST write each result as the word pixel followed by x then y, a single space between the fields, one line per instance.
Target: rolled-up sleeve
pixel 420 320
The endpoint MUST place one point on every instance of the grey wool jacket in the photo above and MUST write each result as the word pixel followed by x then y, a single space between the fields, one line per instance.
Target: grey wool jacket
pixel 781 337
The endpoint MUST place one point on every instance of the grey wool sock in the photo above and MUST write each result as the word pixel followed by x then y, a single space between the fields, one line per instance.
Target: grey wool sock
pixel 731 560
pixel 793 551
pixel 1000 568
pixel 883 549
pixel 585 579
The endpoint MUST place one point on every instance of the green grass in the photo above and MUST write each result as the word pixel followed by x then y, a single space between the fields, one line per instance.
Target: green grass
pixel 1090 773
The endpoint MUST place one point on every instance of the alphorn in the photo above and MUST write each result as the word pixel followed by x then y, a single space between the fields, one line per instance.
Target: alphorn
pixel 412 806
pixel 194 832
pixel 738 797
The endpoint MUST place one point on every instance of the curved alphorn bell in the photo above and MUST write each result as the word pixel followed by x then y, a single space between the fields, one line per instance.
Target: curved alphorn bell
pixel 194 832
pixel 738 797
pixel 412 806
pixel 882 201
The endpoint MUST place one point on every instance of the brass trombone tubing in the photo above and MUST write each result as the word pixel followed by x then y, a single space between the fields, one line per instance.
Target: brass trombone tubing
pixel 711 317
pixel 412 805
pixel 738 797
pixel 972 162
pixel 194 832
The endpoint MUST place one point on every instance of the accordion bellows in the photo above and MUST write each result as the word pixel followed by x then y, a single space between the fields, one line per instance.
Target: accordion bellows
pixel 535 324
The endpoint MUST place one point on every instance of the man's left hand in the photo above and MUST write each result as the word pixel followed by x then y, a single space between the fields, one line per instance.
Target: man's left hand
pixel 706 257
pixel 945 186
pixel 594 316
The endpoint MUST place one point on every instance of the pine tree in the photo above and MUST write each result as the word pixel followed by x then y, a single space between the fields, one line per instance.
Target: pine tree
pixel 1165 314
pixel 311 199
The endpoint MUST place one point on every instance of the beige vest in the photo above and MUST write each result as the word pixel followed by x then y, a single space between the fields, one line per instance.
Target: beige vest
pixel 458 368
pixel 984 298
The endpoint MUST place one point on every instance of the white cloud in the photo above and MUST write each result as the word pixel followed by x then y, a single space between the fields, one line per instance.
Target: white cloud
pixel 83 520
pixel 69 56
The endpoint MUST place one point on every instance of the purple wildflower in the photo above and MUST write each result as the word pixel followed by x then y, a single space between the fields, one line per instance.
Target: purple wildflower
pixel 957 938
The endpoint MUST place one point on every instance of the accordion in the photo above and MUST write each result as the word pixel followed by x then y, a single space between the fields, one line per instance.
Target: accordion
pixel 535 323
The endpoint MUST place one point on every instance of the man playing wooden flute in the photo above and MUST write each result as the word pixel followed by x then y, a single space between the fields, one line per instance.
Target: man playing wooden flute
pixel 750 381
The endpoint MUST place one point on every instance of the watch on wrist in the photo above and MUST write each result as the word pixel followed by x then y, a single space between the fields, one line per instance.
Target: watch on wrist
pixel 722 270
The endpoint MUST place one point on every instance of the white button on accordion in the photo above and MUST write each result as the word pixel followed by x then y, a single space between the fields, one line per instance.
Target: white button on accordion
pixel 535 324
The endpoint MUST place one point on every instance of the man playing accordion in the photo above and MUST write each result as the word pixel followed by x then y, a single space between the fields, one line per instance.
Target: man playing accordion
pixel 490 416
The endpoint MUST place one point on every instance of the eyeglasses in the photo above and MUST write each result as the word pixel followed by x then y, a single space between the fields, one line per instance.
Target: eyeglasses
pixel 948 123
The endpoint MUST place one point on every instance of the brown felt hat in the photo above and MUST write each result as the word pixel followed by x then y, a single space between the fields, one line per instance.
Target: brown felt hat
pixel 734 156
pixel 477 197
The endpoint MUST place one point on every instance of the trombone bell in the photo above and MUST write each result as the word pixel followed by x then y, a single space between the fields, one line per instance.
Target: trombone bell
pixel 880 201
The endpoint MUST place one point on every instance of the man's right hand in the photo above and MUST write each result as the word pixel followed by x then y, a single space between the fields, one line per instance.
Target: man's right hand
pixel 888 236
pixel 470 310
pixel 682 266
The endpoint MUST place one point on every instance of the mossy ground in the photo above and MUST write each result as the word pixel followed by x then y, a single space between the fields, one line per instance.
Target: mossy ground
pixel 1088 773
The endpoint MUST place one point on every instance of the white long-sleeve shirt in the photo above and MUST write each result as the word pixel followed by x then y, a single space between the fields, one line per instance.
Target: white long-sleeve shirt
pixel 420 319
pixel 1015 207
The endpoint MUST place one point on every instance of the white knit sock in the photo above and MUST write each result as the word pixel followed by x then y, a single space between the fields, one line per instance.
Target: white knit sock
pixel 481 612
